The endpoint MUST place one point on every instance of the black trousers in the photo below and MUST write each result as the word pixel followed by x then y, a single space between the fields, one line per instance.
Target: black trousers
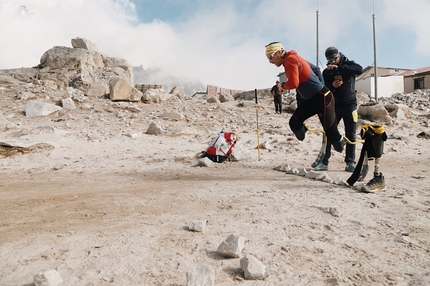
pixel 345 113
pixel 321 103
pixel 278 103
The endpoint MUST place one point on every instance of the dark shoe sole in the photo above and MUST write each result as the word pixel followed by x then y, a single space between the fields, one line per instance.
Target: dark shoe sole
pixel 365 190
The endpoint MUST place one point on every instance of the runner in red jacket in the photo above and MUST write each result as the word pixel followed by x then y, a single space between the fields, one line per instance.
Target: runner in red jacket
pixel 313 96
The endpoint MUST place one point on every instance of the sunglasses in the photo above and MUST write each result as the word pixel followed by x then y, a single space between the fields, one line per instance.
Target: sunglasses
pixel 272 55
pixel 332 59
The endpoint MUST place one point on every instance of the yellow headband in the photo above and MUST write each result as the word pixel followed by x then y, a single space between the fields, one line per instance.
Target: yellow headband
pixel 273 47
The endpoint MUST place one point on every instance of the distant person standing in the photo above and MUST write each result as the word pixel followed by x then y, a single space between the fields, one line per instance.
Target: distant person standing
pixel 339 77
pixel 315 97
pixel 277 92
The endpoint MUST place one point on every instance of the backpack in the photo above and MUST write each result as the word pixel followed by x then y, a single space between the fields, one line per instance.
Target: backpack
pixel 220 148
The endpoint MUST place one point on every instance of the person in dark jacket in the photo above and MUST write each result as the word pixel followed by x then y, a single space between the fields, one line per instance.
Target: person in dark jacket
pixel 277 92
pixel 339 76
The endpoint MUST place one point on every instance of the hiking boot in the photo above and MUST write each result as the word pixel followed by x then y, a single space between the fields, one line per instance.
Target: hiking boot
pixel 339 146
pixel 377 183
pixel 314 164
pixel 321 167
pixel 350 167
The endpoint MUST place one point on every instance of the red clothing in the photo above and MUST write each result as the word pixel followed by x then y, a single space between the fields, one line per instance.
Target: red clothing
pixel 300 75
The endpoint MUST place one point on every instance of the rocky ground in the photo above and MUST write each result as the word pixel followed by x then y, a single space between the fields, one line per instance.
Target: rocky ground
pixel 89 193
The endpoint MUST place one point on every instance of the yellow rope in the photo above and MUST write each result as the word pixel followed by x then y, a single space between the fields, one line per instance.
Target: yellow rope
pixel 313 131
pixel 378 129
pixel 351 142
pixel 346 138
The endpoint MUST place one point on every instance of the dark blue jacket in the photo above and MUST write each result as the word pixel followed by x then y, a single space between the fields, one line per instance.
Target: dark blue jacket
pixel 345 94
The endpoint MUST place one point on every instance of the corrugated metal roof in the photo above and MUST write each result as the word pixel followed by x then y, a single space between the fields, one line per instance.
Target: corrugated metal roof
pixel 416 71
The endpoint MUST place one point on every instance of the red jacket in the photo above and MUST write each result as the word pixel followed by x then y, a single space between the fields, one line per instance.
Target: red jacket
pixel 301 76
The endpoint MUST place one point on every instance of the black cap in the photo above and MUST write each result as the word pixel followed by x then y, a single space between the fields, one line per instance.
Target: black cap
pixel 331 53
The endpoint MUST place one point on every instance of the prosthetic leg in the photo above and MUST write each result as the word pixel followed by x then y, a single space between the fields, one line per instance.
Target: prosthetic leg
pixel 373 147
pixel 321 154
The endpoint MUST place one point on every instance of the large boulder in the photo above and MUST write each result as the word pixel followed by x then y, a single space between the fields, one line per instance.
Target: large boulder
pixel 120 89
pixel 83 67
pixel 374 112
pixel 70 58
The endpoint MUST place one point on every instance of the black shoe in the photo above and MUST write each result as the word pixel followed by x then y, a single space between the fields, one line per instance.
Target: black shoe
pixel 376 184
pixel 339 146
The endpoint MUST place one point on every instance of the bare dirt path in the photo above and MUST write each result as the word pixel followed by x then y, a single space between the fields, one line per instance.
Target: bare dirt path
pixel 131 228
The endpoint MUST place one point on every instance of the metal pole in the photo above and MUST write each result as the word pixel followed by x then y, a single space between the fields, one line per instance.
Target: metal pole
pixel 318 13
pixel 374 53
pixel 258 129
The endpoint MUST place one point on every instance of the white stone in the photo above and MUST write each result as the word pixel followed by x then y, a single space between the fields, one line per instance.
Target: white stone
pixel 197 225
pixel 205 162
pixel 253 269
pixel 232 246
pixel 48 278
pixel 203 275
pixel 39 108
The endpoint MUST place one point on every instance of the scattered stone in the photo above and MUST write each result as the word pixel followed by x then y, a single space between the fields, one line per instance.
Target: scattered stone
pixel 329 210
pixel 302 172
pixel 154 129
pixel 205 162
pixel 339 181
pixel 58 166
pixel 253 269
pixel 39 108
pixel 95 136
pixel 283 168
pixel 154 96
pixel 327 179
pixel 212 99
pixel 48 278
pixel 332 281
pixel 197 225
pixel 240 152
pixel 178 92
pixel 173 115
pixel 134 135
pixel 68 104
pixel 266 145
pixel 203 275
pixel 375 112
pixel 232 247
pixel 316 175
pixel 224 98
pixel 423 135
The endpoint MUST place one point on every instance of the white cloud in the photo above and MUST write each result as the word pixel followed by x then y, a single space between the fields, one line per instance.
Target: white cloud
pixel 411 17
pixel 220 42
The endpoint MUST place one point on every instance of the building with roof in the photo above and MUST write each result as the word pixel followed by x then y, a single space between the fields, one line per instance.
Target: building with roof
pixel 416 79
pixel 392 80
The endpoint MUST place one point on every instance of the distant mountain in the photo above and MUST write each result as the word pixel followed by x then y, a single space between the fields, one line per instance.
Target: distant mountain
pixel 168 81
pixel 9 9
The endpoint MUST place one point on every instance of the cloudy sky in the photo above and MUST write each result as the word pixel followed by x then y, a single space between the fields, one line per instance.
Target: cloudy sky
pixel 218 42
